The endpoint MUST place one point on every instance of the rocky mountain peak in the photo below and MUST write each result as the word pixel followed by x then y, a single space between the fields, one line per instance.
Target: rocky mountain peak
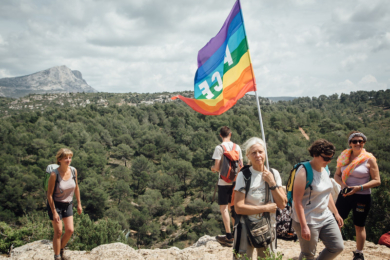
pixel 53 80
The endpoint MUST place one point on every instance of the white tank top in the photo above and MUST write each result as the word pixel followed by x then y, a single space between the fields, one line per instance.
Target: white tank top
pixel 65 189
pixel 316 211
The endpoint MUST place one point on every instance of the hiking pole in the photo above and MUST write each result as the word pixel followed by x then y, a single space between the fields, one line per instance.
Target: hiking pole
pixel 262 128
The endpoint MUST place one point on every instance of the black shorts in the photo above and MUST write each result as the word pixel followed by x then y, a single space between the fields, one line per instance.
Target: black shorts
pixel 225 194
pixel 360 205
pixel 64 210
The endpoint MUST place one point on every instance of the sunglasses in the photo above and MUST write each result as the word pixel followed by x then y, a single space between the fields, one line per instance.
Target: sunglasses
pixel 357 141
pixel 326 159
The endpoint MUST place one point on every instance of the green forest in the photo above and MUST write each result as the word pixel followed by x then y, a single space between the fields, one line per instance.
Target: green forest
pixel 144 171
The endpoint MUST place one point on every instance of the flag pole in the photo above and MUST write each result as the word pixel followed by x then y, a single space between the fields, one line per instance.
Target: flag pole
pixel 257 97
pixel 262 128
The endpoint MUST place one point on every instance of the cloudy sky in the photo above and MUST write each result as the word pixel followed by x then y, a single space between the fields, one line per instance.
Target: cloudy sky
pixel 298 47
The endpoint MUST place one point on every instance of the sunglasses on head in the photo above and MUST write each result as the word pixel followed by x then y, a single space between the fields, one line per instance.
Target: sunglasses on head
pixel 357 141
pixel 326 159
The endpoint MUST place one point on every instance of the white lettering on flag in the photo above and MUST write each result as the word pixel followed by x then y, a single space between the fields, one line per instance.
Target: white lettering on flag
pixel 228 57
pixel 206 90
pixel 218 76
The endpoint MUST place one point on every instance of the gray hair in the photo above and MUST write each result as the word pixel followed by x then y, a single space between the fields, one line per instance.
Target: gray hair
pixel 251 142
pixel 357 134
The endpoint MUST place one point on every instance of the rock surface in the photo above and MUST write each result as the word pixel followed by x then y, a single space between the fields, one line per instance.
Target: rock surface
pixel 54 80
pixel 205 248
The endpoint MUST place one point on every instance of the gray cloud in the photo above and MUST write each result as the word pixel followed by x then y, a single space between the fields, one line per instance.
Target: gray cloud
pixel 298 48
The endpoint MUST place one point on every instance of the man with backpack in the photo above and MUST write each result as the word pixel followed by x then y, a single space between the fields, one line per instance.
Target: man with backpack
pixel 228 161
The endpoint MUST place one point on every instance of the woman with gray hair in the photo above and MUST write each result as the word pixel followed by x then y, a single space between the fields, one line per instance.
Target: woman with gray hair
pixel 253 204
pixel 357 172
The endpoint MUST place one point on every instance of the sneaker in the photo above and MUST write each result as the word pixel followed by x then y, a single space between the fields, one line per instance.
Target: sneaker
pixel 358 256
pixel 224 241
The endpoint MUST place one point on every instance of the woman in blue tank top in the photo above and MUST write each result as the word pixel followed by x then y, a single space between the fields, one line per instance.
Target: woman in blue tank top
pixel 357 172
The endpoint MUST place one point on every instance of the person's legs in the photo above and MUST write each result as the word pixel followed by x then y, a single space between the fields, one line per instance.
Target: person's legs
pixel 225 217
pixel 361 209
pixel 330 235
pixel 57 236
pixel 344 205
pixel 308 248
pixel 69 229
pixel 224 198
pixel 260 252
pixel 360 237
pixel 245 250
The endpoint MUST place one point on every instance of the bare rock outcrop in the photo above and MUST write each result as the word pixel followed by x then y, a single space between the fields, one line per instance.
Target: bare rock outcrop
pixel 206 248
pixel 54 80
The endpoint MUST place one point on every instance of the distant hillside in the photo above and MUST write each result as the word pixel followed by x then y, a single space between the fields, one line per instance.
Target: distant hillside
pixel 276 99
pixel 143 161
pixel 35 102
pixel 54 80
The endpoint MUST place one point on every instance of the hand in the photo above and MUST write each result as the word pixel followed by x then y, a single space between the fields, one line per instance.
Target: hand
pixel 305 232
pixel 213 169
pixel 56 217
pixel 339 220
pixel 271 207
pixel 79 208
pixel 353 191
pixel 269 177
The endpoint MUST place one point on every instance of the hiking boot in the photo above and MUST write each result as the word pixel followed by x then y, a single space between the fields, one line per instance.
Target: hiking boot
pixel 358 256
pixel 224 241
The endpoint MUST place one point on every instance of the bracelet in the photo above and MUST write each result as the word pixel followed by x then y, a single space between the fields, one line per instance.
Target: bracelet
pixel 361 186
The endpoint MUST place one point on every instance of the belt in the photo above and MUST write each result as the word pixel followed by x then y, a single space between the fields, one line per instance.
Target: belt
pixel 63 204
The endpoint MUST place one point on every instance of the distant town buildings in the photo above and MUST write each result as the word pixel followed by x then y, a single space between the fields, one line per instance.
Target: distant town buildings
pixel 41 101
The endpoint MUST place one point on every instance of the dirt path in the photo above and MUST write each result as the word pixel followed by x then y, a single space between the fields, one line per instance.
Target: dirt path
pixel 304 133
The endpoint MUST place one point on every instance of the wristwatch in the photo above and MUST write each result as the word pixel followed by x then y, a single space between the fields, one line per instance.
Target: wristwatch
pixel 273 187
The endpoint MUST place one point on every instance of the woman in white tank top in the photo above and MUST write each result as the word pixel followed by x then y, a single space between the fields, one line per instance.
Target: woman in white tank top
pixel 62 186
pixel 313 207
pixel 357 172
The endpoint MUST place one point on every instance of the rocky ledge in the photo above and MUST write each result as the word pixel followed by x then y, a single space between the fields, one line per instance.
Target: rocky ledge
pixel 205 248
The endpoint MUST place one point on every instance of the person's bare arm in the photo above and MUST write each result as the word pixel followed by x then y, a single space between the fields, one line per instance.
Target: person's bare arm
pixel 374 182
pixel 334 210
pixel 244 209
pixel 77 193
pixel 278 194
pixel 337 178
pixel 50 200
pixel 216 166
pixel 298 191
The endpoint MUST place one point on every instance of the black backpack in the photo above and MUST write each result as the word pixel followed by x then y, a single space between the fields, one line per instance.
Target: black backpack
pixel 284 228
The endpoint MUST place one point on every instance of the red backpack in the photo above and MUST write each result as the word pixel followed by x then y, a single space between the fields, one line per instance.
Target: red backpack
pixel 385 239
pixel 230 164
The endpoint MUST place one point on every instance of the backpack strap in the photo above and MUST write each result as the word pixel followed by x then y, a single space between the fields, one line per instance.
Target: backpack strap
pixel 247 178
pixel 57 181
pixel 73 171
pixel 309 173
pixel 223 148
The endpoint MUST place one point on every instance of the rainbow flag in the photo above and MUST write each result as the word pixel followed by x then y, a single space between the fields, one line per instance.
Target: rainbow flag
pixel 225 71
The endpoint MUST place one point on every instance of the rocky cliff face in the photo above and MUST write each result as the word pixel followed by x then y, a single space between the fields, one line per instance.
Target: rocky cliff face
pixel 54 80
pixel 205 248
